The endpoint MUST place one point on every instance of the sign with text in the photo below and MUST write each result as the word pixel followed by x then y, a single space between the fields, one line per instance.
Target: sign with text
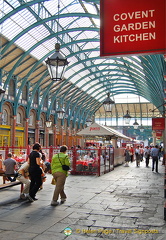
pixel 132 27
pixel 159 133
pixel 158 123
pixel 94 128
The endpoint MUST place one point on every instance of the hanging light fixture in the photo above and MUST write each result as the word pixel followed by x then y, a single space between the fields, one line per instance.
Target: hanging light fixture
pixel 61 113
pixel 57 64
pixel 141 128
pixel 135 124
pixel 88 121
pixel 127 117
pixel 2 92
pixel 108 103
pixel 48 123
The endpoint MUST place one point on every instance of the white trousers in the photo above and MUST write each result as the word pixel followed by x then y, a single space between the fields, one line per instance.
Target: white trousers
pixel 26 183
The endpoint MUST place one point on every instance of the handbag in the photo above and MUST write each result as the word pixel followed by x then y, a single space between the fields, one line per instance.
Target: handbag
pixel 53 182
pixel 64 167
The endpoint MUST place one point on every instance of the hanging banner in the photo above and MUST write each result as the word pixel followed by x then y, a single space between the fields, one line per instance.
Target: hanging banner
pixel 158 123
pixel 132 27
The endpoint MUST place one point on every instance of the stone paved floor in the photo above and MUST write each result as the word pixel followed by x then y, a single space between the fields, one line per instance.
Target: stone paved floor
pixel 125 204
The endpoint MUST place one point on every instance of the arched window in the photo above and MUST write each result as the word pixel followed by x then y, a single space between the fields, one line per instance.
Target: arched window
pixel 19 118
pixel 31 120
pixel 4 117
pixel 41 122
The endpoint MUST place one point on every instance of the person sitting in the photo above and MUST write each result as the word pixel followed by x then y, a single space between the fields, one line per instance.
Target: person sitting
pixel 23 177
pixel 9 165
pixel 1 163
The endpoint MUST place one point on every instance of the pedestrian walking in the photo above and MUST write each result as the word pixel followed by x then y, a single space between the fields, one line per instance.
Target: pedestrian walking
pixel 59 174
pixel 138 156
pixel 155 155
pixel 35 172
pixel 127 155
pixel 147 155
pixel 141 153
pixel 132 153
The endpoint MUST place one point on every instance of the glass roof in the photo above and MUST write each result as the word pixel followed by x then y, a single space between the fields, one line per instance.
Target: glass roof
pixel 35 26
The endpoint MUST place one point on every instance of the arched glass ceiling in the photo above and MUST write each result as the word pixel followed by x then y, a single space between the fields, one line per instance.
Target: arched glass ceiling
pixel 29 30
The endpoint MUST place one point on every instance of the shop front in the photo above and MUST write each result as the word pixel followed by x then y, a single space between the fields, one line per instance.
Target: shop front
pixel 5 135
pixel 31 136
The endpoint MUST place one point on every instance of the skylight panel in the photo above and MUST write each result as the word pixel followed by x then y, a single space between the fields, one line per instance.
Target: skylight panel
pixel 86 34
pixel 129 98
pixel 30 41
pixel 5 8
pixel 39 32
pixel 82 22
pixel 10 29
pixel 70 7
pixel 49 42
pixel 24 18
pixel 93 44
pixel 39 52
pixel 14 3
pixel 23 23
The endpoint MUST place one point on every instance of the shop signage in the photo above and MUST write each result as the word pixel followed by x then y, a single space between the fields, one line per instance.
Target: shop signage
pixel 132 27
pixel 94 128
pixel 158 123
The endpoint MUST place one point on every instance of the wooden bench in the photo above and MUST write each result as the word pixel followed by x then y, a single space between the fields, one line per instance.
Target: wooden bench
pixel 10 184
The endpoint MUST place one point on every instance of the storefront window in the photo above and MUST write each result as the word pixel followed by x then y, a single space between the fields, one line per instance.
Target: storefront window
pixel 41 123
pixel 31 120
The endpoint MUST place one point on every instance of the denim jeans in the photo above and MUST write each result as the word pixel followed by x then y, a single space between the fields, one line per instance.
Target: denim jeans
pixel 155 163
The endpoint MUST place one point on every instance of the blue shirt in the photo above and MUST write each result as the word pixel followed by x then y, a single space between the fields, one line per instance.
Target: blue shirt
pixel 154 152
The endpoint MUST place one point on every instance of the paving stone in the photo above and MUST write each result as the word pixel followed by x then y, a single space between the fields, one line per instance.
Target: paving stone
pixel 5 225
pixel 125 199
pixel 155 222
pixel 7 235
pixel 50 236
